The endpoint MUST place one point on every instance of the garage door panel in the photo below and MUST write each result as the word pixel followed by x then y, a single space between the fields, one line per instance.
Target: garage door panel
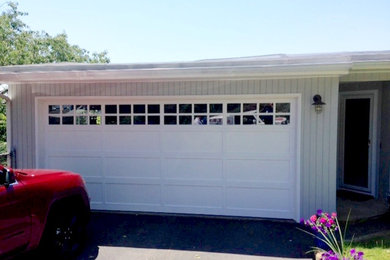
pixel 95 192
pixel 193 196
pixel 257 170
pixel 191 142
pixel 253 156
pixel 197 210
pixel 134 141
pixel 86 166
pixel 133 194
pixel 192 169
pixel 74 141
pixel 262 213
pixel 194 182
pixel 131 207
pixel 132 167
pixel 285 185
pixel 259 142
pixel 269 199
pixel 126 180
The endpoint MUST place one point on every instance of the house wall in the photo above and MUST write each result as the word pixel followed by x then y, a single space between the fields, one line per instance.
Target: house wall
pixel 318 131
pixel 383 133
pixel 385 140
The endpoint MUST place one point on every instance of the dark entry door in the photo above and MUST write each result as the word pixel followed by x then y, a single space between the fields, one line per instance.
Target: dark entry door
pixel 357 143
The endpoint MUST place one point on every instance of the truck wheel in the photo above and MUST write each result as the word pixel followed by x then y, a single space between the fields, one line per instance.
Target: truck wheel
pixel 65 233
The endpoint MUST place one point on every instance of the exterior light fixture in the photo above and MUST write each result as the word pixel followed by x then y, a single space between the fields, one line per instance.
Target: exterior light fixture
pixel 318 103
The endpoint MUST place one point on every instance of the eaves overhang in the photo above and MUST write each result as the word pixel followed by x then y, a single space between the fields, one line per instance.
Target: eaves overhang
pixel 344 65
pixel 63 74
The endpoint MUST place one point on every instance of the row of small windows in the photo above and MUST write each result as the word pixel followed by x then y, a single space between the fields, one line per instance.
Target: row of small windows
pixel 171 114
pixel 137 109
pixel 170 108
pixel 170 120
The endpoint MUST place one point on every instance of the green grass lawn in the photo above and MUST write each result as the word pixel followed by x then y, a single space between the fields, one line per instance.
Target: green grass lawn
pixel 374 249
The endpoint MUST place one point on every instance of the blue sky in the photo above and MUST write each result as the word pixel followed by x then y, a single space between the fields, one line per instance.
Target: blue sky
pixel 179 30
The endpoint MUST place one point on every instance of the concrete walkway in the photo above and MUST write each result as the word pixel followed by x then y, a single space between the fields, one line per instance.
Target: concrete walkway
pixel 360 210
pixel 128 253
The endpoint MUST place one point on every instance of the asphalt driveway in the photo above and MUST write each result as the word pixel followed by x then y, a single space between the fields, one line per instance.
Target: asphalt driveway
pixel 130 236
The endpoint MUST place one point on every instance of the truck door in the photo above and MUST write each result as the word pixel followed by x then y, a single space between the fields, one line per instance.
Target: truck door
pixel 15 221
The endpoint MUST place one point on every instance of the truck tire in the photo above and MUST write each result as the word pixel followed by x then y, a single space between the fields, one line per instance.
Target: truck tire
pixel 65 232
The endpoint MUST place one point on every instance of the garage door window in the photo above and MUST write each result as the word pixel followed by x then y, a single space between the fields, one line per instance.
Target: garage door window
pixel 67 112
pixel 125 114
pixel 185 119
pixel 54 110
pixel 139 117
pixel 95 112
pixel 81 111
pixel 267 113
pixel 258 114
pixel 153 118
pixel 58 114
pixel 112 117
pixel 185 108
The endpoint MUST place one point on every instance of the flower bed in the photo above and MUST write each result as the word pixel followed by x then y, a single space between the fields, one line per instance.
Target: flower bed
pixel 329 239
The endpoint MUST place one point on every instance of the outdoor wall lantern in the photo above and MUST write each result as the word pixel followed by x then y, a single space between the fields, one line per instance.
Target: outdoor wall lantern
pixel 318 103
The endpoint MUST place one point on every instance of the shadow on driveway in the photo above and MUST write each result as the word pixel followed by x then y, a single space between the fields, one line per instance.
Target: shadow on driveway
pixel 245 236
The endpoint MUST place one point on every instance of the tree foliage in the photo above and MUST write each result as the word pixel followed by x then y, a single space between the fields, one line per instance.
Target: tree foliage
pixel 19 45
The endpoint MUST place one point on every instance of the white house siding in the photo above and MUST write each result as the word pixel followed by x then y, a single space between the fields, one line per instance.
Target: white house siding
pixel 385 138
pixel 318 131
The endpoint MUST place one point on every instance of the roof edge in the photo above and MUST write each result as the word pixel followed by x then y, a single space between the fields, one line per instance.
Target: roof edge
pixel 267 66
pixel 198 73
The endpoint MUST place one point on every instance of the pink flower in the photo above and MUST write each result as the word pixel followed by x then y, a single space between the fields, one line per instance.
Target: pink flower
pixel 334 214
pixel 313 218
pixel 331 221
pixel 322 220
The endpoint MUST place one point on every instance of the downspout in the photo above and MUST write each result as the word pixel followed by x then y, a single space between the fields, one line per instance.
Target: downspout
pixel 10 160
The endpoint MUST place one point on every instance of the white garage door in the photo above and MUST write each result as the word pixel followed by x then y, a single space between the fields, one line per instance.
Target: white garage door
pixel 231 156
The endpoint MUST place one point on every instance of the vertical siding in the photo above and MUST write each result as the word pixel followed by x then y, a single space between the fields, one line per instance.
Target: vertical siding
pixel 318 131
pixel 384 175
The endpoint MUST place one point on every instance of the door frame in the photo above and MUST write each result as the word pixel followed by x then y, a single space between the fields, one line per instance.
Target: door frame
pixel 373 136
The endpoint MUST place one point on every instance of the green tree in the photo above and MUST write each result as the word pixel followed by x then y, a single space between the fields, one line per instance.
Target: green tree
pixel 19 46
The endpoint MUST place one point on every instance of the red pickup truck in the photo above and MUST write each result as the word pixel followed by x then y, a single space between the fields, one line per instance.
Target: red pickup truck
pixel 48 209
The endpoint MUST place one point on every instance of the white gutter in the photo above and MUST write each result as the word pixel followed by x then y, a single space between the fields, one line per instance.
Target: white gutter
pixel 191 73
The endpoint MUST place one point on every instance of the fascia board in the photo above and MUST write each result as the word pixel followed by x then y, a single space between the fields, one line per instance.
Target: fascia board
pixel 236 72
pixel 370 66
